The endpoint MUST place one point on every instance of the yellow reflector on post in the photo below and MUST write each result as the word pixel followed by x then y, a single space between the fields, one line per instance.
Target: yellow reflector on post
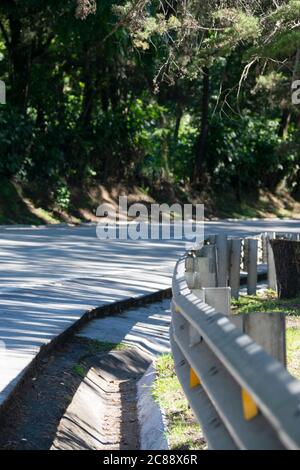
pixel 194 379
pixel 249 406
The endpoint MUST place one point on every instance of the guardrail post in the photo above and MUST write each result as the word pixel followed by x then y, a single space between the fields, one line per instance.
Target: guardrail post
pixel 244 255
pixel 260 254
pixel 229 376
pixel 265 328
pixel 189 264
pixel 272 281
pixel 217 297
pixel 212 239
pixel 222 260
pixel 235 266
pixel 264 239
pixel 189 270
pixel 205 267
pixel 252 266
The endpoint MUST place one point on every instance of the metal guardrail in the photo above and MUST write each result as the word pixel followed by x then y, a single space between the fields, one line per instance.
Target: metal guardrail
pixel 242 397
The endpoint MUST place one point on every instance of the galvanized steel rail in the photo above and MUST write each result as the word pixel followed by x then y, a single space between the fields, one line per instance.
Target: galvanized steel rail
pixel 242 397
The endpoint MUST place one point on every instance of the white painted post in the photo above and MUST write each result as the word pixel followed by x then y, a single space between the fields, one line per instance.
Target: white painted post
pixel 235 266
pixel 264 237
pixel 222 260
pixel 219 298
pixel 272 281
pixel 189 264
pixel 205 268
pixel 189 271
pixel 252 266
pixel 268 330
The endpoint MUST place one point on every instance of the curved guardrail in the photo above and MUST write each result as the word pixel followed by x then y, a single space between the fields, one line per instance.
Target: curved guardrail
pixel 242 397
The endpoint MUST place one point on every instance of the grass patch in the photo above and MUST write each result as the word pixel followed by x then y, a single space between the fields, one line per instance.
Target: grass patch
pixel 80 370
pixel 268 302
pixel 184 433
pixel 293 350
pixel 96 346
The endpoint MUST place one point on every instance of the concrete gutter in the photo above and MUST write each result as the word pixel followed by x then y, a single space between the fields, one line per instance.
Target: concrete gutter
pixel 105 310
pixel 152 420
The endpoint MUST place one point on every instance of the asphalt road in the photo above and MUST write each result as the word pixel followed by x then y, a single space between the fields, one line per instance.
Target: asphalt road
pixel 51 275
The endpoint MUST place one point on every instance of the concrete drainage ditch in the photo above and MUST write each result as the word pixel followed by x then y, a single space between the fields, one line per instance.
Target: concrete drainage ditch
pixel 92 393
pixel 103 412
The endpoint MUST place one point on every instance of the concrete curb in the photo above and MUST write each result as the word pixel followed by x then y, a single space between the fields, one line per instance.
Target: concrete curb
pixel 105 310
pixel 152 420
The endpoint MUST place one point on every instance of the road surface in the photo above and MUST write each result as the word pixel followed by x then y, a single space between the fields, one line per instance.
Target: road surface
pixel 50 276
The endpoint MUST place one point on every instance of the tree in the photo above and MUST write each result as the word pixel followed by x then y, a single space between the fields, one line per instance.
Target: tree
pixel 189 94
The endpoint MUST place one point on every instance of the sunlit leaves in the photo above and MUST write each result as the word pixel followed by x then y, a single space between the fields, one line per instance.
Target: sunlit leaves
pixel 85 8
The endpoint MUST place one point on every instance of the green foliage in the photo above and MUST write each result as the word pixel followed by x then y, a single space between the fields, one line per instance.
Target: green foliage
pixel 245 148
pixel 266 302
pixel 119 96
pixel 62 196
pixel 15 138
pixel 80 370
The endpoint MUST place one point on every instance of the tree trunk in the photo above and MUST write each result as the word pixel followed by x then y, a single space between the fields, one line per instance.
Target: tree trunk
pixel 284 123
pixel 20 54
pixel 287 264
pixel 201 144
pixel 164 149
pixel 88 91
pixel 179 115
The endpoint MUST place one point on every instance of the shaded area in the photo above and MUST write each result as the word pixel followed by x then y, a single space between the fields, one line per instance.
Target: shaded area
pixel 103 415
pixel 13 208
pixel 63 407
pixel 84 394
pixel 145 328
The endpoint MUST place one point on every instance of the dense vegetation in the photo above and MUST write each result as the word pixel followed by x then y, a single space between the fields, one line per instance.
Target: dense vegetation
pixel 188 95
